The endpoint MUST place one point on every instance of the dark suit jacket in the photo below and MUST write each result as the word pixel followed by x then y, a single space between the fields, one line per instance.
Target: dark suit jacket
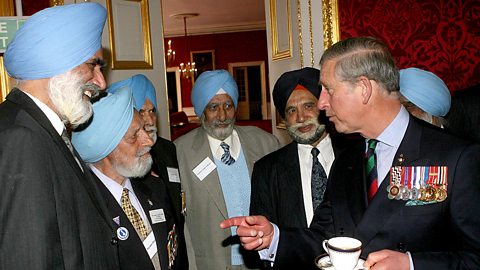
pixel 152 196
pixel 52 215
pixel 164 154
pixel 277 186
pixel 444 235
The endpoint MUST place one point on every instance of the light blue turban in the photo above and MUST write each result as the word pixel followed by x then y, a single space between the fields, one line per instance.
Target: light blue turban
pixel 426 90
pixel 55 40
pixel 112 116
pixel 142 89
pixel 207 85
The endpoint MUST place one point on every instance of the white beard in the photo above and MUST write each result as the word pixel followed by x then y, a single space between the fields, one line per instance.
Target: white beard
pixel 66 93
pixel 137 167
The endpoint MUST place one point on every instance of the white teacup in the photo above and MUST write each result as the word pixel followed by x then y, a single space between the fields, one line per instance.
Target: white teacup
pixel 343 251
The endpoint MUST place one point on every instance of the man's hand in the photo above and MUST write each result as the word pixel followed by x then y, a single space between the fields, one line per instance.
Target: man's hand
pixel 255 232
pixel 387 259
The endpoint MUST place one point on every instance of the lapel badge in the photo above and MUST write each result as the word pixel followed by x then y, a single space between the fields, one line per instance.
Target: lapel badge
pixel 400 159
pixel 122 233
pixel 150 202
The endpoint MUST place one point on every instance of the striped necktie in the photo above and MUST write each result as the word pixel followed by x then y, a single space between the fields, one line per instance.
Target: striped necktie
pixel 319 180
pixel 371 169
pixel 133 215
pixel 226 157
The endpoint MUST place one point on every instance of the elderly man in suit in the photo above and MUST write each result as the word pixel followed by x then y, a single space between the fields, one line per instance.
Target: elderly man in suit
pixel 288 184
pixel 149 236
pixel 52 215
pixel 163 151
pixel 216 161
pixel 407 193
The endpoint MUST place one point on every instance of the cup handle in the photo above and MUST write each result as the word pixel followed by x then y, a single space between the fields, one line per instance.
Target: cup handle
pixel 324 244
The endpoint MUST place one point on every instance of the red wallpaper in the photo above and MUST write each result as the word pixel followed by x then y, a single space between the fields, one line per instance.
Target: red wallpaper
pixel 229 48
pixel 32 6
pixel 442 36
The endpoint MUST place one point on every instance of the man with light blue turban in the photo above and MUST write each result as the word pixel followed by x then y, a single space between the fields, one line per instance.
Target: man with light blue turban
pixel 425 95
pixel 216 162
pixel 165 163
pixel 51 204
pixel 116 147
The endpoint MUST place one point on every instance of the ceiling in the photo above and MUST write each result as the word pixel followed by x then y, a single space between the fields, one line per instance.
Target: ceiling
pixel 215 16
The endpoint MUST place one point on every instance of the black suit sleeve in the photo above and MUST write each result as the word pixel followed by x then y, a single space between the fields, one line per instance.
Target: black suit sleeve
pixel 29 236
pixel 262 201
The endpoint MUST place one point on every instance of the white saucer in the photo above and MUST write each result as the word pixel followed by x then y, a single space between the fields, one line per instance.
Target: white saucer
pixel 323 262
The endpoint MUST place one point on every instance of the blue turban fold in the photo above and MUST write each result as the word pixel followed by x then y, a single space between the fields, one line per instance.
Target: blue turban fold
pixel 426 90
pixel 207 85
pixel 142 89
pixel 112 116
pixel 55 40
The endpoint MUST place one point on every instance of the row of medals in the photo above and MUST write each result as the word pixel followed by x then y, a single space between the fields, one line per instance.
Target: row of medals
pixel 427 193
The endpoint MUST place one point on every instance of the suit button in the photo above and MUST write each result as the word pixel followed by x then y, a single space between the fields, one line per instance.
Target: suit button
pixel 342 231
pixel 401 247
pixel 114 241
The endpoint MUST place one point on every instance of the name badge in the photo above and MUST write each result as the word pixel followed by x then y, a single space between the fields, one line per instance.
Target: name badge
pixel 173 175
pixel 150 245
pixel 157 216
pixel 204 168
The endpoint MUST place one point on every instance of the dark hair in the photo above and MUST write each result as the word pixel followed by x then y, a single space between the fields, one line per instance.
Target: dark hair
pixel 363 56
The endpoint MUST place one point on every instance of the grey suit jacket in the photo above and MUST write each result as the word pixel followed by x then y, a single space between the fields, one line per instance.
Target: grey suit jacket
pixel 204 199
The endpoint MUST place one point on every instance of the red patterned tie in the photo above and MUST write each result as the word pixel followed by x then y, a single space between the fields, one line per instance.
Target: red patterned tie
pixel 371 169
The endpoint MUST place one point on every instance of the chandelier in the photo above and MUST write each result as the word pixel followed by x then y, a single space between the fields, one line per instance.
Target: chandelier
pixel 170 54
pixel 187 68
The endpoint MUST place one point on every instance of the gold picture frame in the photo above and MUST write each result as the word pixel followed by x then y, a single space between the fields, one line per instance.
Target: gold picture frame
pixel 125 54
pixel 331 25
pixel 204 60
pixel 281 31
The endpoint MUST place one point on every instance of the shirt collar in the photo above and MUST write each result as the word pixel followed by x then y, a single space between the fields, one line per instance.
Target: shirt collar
pixel 233 141
pixel 49 113
pixel 393 134
pixel 115 188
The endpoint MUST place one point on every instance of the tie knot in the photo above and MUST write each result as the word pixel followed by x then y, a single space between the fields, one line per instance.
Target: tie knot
pixel 315 152
pixel 125 193
pixel 372 143
pixel 225 146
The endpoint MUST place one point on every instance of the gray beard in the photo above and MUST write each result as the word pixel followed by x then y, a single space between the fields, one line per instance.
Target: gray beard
pixel 136 168
pixel 306 138
pixel 218 133
pixel 66 93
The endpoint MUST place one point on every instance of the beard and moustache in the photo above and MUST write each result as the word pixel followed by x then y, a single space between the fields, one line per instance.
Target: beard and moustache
pixel 66 92
pixel 212 128
pixel 138 167
pixel 308 137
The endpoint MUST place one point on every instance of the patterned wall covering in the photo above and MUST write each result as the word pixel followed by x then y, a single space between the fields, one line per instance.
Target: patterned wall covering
pixel 442 36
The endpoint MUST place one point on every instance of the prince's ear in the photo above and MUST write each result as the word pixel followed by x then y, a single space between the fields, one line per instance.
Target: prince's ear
pixel 366 87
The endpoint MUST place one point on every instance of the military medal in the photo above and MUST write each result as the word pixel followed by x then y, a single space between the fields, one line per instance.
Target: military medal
pixel 395 178
pixel 427 184
pixel 172 246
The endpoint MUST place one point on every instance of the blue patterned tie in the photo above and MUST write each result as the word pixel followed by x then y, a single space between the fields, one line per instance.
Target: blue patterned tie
pixel 319 180
pixel 226 157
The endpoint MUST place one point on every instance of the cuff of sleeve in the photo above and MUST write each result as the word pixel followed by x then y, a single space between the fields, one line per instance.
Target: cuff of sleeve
pixel 269 253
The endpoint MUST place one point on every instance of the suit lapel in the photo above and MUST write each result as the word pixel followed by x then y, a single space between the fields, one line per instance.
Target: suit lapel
pixel 382 209
pixel 211 183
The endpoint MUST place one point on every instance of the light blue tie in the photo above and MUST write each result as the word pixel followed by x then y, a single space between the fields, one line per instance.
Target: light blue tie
pixel 226 157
